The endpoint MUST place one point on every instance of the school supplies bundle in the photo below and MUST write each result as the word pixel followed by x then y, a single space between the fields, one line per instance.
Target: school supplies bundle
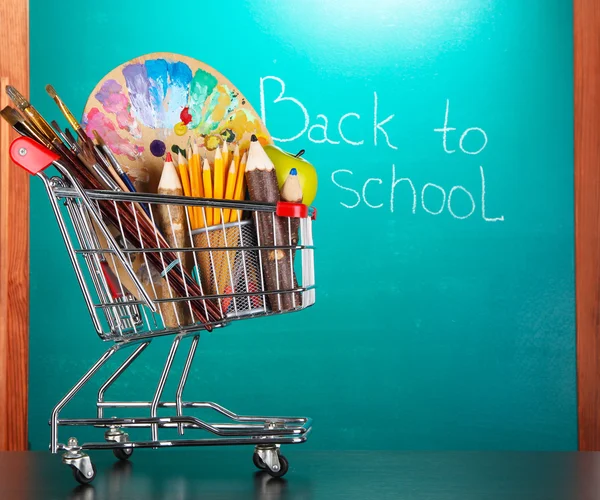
pixel 178 215
pixel 171 126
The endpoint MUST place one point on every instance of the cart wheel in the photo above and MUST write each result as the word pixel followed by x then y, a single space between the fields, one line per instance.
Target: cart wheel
pixel 258 461
pixel 283 467
pixel 122 453
pixel 81 478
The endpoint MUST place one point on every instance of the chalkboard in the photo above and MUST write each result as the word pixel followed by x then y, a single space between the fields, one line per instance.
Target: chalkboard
pixel 442 133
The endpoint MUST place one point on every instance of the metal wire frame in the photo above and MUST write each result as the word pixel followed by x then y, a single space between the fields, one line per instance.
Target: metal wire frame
pixel 131 316
pixel 137 312
pixel 244 429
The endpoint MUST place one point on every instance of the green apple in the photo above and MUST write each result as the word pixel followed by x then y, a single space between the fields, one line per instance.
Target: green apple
pixel 307 174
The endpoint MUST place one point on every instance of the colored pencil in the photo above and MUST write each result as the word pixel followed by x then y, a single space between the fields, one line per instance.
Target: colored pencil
pixel 239 192
pixel 230 189
pixel 225 153
pixel 171 220
pixel 185 184
pixel 276 264
pixel 218 184
pixel 291 191
pixel 207 182
pixel 197 184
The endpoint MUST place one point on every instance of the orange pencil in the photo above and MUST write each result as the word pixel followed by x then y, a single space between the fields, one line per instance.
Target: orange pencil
pixel 225 153
pixel 185 182
pixel 240 185
pixel 207 181
pixel 218 184
pixel 230 189
pixel 199 184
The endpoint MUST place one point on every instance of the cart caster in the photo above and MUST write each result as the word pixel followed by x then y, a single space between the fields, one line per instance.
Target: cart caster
pixel 84 471
pixel 269 459
pixel 114 434
pixel 122 453
pixel 82 478
pixel 258 462
pixel 283 468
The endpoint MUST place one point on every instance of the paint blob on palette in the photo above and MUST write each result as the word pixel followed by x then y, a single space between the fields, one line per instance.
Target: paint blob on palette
pixel 161 102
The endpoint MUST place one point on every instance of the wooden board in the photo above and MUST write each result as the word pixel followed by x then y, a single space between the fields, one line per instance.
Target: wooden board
pixel 14 238
pixel 587 219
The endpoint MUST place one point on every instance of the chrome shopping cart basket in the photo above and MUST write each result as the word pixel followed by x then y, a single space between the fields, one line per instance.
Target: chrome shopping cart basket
pixel 137 288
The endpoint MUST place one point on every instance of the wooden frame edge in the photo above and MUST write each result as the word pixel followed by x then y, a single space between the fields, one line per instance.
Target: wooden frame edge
pixel 587 218
pixel 14 239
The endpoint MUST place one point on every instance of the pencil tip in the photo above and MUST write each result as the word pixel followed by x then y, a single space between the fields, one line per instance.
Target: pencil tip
pixel 293 171
pixel 254 138
pixel 169 158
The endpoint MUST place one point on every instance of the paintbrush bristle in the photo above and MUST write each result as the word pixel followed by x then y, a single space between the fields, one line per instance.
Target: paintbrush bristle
pixel 17 97
pixel 51 92
pixel 98 138
pixel 11 115
pixel 56 126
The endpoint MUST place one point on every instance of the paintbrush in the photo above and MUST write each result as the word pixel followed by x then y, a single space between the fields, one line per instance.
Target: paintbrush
pixel 32 114
pixel 136 230
pixel 67 113
pixel 72 140
pixel 113 165
pixel 22 126
pixel 83 137
pixel 114 162
pixel 88 159
pixel 72 146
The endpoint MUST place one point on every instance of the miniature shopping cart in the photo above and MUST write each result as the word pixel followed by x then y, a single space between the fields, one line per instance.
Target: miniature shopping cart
pixel 131 301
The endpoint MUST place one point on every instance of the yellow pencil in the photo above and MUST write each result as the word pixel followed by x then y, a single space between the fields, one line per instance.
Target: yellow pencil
pixel 207 181
pixel 236 156
pixel 193 184
pixel 225 154
pixel 185 182
pixel 202 152
pixel 230 189
pixel 218 184
pixel 240 184
pixel 199 184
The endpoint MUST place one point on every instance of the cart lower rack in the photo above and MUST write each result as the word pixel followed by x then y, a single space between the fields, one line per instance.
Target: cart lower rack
pixel 139 284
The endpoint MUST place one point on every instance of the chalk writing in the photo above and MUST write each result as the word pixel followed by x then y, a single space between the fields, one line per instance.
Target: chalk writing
pixel 460 201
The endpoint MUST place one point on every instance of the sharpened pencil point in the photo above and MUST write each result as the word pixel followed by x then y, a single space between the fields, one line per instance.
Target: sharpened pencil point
pixel 254 138
pixel 168 158
pixel 293 171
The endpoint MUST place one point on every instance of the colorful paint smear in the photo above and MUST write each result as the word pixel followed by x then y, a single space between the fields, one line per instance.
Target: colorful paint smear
pixel 201 87
pixel 218 110
pixel 158 91
pixel 116 102
pixel 98 121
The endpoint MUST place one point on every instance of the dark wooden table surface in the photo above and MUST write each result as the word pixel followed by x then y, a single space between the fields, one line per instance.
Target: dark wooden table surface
pixel 223 473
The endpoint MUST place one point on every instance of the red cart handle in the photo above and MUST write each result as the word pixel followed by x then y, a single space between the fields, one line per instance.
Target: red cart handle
pixel 30 155
pixel 297 210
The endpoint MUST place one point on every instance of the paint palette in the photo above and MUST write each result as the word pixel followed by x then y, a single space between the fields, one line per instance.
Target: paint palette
pixel 160 102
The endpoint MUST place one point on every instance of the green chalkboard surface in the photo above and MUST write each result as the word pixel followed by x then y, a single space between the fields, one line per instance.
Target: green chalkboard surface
pixel 442 133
